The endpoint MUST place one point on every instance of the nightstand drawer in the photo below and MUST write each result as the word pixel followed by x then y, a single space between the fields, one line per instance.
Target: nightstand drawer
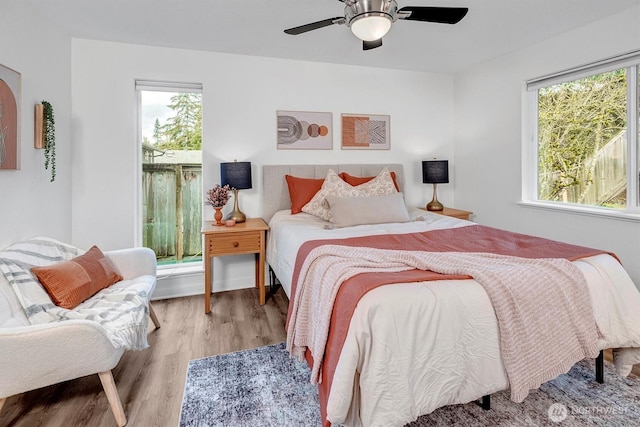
pixel 235 243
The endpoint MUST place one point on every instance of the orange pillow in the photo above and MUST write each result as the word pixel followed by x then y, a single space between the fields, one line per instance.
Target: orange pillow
pixel 357 180
pixel 71 282
pixel 302 190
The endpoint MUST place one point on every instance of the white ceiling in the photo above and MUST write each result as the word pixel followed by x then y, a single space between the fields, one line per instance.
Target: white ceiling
pixel 255 27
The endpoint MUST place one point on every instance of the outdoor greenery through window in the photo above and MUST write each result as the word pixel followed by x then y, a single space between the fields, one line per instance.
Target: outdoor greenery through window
pixel 586 136
pixel 171 135
pixel 582 140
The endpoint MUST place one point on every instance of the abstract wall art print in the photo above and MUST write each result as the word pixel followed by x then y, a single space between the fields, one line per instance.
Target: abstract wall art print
pixel 9 119
pixel 304 130
pixel 365 132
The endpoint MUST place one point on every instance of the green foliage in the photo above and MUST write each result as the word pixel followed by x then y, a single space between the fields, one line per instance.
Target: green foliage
pixel 575 120
pixel 49 139
pixel 183 131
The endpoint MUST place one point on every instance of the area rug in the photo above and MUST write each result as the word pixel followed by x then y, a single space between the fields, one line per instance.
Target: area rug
pixel 265 387
pixel 258 387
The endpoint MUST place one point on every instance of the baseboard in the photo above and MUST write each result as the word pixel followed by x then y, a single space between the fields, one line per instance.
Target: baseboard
pixel 176 286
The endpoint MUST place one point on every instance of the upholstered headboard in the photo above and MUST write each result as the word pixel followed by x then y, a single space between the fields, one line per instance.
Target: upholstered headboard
pixel 276 192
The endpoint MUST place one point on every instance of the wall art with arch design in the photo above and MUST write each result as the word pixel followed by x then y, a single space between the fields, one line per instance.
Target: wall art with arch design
pixel 304 130
pixel 9 119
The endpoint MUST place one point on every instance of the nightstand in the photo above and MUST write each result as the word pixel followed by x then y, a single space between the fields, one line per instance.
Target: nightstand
pixel 456 213
pixel 243 238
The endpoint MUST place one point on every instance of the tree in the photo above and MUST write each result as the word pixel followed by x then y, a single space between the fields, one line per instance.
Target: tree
pixel 183 131
pixel 575 120
pixel 157 133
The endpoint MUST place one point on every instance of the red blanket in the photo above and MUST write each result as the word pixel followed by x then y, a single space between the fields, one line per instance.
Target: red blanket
pixel 474 238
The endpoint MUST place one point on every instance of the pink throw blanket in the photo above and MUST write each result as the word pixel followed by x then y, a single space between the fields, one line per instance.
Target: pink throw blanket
pixel 524 292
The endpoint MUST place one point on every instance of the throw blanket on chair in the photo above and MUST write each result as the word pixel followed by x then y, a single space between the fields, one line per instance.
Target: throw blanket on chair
pixel 525 294
pixel 124 314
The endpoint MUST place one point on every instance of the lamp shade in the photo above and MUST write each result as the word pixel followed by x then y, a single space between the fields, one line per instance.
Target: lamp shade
pixel 435 171
pixel 236 174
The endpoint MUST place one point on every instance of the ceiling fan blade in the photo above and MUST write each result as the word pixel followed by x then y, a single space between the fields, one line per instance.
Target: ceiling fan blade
pixel 443 15
pixel 314 25
pixel 371 45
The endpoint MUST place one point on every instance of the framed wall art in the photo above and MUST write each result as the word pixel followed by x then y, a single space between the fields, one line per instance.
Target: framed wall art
pixel 365 132
pixel 9 119
pixel 304 130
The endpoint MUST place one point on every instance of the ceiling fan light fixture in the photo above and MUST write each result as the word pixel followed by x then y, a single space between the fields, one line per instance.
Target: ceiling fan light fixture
pixel 370 26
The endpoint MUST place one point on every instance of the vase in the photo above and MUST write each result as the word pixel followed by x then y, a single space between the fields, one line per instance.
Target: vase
pixel 218 216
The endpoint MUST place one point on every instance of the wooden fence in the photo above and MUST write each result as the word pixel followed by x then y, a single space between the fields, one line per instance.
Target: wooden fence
pixel 172 211
pixel 605 176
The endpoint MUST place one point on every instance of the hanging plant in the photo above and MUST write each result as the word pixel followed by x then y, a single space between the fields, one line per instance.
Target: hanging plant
pixel 49 139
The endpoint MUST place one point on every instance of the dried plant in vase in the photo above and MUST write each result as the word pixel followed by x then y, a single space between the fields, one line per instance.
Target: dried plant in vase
pixel 217 197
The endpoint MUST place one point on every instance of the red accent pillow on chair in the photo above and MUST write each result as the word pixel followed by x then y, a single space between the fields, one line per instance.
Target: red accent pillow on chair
pixel 68 283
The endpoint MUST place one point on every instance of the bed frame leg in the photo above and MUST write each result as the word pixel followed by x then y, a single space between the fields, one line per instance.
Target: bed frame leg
pixel 600 367
pixel 485 403
pixel 273 281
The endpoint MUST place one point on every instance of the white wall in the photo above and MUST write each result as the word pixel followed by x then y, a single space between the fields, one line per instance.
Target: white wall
pixel 240 97
pixel 488 138
pixel 29 204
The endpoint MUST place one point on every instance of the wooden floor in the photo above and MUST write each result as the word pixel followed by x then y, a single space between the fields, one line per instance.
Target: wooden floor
pixel 151 382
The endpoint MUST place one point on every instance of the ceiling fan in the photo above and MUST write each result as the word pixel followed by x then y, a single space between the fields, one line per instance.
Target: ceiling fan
pixel 370 20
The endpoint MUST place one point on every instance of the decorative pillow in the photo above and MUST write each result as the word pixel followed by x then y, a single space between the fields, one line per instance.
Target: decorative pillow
pixel 333 186
pixel 379 186
pixel 68 283
pixel 358 180
pixel 302 190
pixel 348 211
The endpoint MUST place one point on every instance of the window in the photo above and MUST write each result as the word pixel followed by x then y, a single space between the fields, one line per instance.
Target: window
pixel 171 170
pixel 581 137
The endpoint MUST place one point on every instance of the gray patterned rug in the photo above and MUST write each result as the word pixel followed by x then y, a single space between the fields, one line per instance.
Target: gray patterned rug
pixel 265 387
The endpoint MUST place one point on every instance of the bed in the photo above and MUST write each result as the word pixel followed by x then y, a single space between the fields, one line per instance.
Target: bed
pixel 412 347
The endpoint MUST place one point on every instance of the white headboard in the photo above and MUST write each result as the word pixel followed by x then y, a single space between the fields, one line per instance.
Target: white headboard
pixel 276 191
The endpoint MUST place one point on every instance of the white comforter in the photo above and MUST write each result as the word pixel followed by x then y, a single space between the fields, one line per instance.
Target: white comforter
pixel 415 347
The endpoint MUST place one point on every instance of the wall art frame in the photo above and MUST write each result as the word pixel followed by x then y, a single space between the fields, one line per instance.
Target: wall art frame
pixel 10 102
pixel 304 130
pixel 366 132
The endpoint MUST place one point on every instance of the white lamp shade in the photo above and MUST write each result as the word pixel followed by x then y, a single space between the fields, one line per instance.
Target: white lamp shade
pixel 370 28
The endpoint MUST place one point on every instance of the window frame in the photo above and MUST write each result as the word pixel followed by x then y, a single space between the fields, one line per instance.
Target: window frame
pixel 630 61
pixel 166 270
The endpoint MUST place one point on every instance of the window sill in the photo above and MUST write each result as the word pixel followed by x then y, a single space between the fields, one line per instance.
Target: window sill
pixel 583 210
pixel 179 270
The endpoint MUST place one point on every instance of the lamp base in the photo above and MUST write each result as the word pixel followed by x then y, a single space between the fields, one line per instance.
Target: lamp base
pixel 434 204
pixel 236 214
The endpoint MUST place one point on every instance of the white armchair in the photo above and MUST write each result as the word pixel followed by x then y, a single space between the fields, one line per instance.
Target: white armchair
pixel 34 356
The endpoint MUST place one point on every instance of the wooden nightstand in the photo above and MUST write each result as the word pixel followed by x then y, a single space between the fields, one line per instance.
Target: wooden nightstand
pixel 456 213
pixel 244 238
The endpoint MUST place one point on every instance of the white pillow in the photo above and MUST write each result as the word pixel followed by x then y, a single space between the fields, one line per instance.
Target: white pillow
pixel 333 186
pixel 349 211
pixel 380 185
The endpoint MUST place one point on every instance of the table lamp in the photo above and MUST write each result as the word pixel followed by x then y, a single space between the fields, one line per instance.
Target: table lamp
pixel 238 176
pixel 435 172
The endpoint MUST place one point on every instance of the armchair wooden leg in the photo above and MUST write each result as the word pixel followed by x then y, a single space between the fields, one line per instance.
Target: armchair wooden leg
pixel 2 400
pixel 153 316
pixel 106 378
